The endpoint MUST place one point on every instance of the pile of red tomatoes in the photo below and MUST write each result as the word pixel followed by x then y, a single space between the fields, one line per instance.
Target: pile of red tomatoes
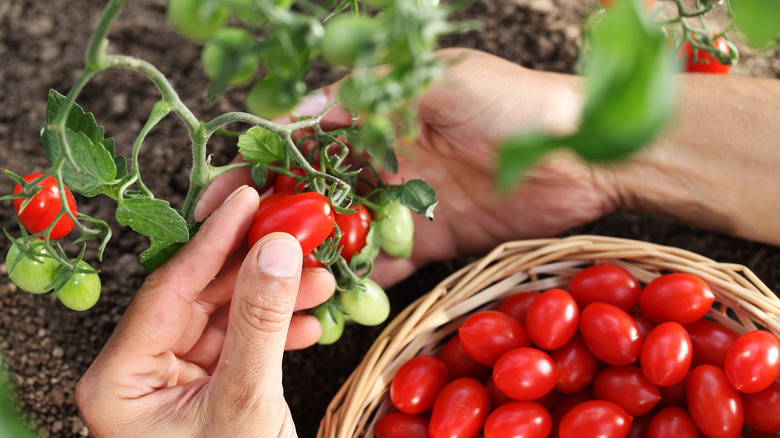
pixel 605 358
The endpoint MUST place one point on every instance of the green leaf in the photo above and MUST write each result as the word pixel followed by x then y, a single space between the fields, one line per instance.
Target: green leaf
pixel 630 86
pixel 78 121
pixel 96 164
pixel 758 20
pixel 152 217
pixel 518 154
pixel 377 137
pixel 417 195
pixel 259 175
pixel 11 422
pixel 162 250
pixel 260 145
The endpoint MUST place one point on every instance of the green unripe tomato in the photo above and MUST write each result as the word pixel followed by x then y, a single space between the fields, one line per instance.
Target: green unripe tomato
pixel 82 291
pixel 332 322
pixel 368 307
pixel 194 21
pixel 231 48
pixel 346 37
pixel 247 12
pixel 397 230
pixel 268 98
pixel 30 274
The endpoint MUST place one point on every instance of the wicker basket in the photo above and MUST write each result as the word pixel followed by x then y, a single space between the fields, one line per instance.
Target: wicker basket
pixel 742 303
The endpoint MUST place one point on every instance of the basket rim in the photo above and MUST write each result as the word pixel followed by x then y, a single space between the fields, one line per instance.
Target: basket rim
pixel 526 262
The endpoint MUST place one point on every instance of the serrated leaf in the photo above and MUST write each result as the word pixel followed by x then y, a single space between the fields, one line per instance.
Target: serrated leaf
pixel 120 162
pixel 152 217
pixel 260 145
pixel 78 121
pixel 96 164
pixel 758 20
pixel 160 251
pixel 417 195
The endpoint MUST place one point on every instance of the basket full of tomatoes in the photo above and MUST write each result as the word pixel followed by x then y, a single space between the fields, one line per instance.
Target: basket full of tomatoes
pixel 574 337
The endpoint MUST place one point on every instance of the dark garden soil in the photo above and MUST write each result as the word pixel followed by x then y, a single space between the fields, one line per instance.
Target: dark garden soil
pixel 42 45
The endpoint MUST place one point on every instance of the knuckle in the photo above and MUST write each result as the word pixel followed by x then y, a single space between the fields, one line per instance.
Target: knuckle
pixel 266 314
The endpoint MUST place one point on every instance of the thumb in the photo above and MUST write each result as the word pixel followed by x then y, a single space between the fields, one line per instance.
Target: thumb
pixel 260 311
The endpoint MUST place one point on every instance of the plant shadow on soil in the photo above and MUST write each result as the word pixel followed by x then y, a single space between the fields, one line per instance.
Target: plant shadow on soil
pixel 42 44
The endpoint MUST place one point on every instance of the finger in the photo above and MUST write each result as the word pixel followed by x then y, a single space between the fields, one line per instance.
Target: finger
pixel 260 314
pixel 159 313
pixel 304 332
pixel 209 345
pixel 221 188
pixel 388 270
pixel 317 285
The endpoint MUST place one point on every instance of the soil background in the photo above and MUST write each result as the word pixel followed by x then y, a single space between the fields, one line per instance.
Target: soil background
pixel 42 46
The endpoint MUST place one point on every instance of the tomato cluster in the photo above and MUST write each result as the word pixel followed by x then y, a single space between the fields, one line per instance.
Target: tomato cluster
pixel 605 358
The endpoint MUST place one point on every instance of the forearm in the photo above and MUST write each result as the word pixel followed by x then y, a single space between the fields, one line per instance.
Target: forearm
pixel 717 164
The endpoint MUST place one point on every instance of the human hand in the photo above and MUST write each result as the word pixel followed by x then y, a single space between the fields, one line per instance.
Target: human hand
pixel 199 350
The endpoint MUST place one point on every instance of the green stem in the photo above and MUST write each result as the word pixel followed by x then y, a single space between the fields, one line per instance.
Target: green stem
pixel 160 111
pixel 96 51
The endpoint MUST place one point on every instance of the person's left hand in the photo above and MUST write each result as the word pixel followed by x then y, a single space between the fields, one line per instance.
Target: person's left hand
pixel 199 350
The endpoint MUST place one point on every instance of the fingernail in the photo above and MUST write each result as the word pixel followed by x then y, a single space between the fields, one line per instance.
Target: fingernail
pixel 235 192
pixel 280 257
pixel 311 105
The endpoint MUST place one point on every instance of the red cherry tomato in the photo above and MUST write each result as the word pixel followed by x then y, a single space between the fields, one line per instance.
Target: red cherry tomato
pixel 643 322
pixel 459 363
pixel 666 354
pixel 401 425
pixel 552 319
pixel 672 422
pixel 460 410
pixel 516 305
pixel 610 333
pixel 576 365
pixel 706 62
pixel 639 426
pixel 628 387
pixel 417 383
pixel 595 418
pixel 525 373
pixel 564 405
pixel 40 212
pixel 310 261
pixel 497 398
pixel 762 409
pixel 525 419
pixel 288 184
pixel 679 297
pixel 488 334
pixel 269 201
pixel 713 403
pixel 753 361
pixel 354 229
pixel 606 284
pixel 673 395
pixel 710 342
pixel 306 216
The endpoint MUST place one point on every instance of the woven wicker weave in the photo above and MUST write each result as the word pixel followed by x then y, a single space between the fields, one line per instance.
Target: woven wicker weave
pixel 742 302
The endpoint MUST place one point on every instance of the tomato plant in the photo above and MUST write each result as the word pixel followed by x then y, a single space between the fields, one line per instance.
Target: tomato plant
pixel 40 212
pixel 460 409
pixel 307 216
pixel 715 406
pixel 610 333
pixel 552 319
pixel 605 283
pixel 525 373
pixel 666 354
pixel 753 361
pixel 34 270
pixel 487 335
pixel 82 290
pixel 678 296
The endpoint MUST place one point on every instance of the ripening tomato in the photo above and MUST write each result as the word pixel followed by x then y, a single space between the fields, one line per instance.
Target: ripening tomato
pixel 525 373
pixel 643 322
pixel 40 212
pixel 576 365
pixel 714 405
pixel 672 422
pixel 459 363
pixel 516 305
pixel 673 395
pixel 354 229
pixel 417 383
pixel 307 216
pixel 639 426
pixel 460 410
pixel 666 354
pixel 401 425
pixel 564 405
pixel 526 419
pixel 706 63
pixel 679 297
pixel 628 387
pixel 610 333
pixel 607 284
pixel 753 361
pixel 488 334
pixel 369 306
pixel 552 319
pixel 595 419
pixel 197 19
pixel 231 51
pixel 710 342
pixel 762 409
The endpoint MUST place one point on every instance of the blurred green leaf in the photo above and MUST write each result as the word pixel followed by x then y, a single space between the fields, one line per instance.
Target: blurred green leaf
pixel 520 153
pixel 758 20
pixel 417 195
